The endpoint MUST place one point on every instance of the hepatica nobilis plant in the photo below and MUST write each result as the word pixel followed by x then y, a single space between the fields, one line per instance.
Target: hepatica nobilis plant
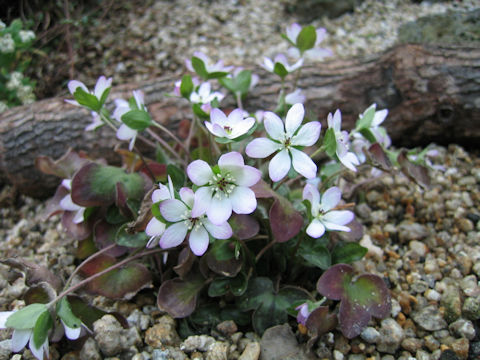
pixel 236 220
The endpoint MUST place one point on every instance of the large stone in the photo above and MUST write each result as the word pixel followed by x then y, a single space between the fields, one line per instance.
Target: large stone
pixel 429 318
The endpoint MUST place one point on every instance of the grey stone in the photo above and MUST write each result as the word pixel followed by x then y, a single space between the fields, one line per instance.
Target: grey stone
pixel 5 349
pixel 409 231
pixel 391 336
pixel 463 328
pixel 471 308
pixel 112 338
pixel 218 351
pixel 370 335
pixel 197 342
pixel 90 350
pixel 163 333
pixel 452 302
pixel 429 318
pixel 251 352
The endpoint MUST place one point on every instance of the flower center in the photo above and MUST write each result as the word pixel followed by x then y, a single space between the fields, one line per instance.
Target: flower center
pixel 192 222
pixel 227 129
pixel 287 143
pixel 222 184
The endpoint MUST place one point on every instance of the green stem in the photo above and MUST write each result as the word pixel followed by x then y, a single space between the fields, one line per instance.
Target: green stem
pixel 264 250
pixel 172 135
pixel 164 144
pixel 239 100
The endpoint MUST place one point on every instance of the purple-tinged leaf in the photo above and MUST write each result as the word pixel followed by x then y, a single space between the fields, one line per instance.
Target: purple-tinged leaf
pixel 244 226
pixel 221 259
pixel 121 200
pixel 95 185
pixel 34 273
pixel 262 190
pixel 179 297
pixel 361 298
pixel 319 322
pixel 64 167
pixel 53 205
pixel 85 248
pixel 120 283
pixel 40 293
pixel 414 172
pixel 104 234
pixel 185 262
pixel 379 157
pixel 285 221
pixel 78 231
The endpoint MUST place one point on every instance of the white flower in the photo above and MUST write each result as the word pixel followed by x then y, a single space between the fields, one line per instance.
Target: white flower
pixel 295 97
pixel 231 127
pixel 346 157
pixel 225 190
pixel 155 227
pixel 67 204
pixel 286 139
pixel 21 337
pixel 316 53
pixel 204 94
pixel 26 35
pixel 15 80
pixel 122 106
pixel 102 85
pixel 209 65
pixel 199 227
pixel 269 64
pixel 324 217
pixel 7 45
pixel 96 122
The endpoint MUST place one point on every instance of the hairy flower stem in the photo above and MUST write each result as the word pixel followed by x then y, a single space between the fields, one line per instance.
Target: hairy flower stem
pixel 239 100
pixel 297 77
pixel 264 250
pixel 172 135
pixel 164 144
pixel 103 272
pixel 191 132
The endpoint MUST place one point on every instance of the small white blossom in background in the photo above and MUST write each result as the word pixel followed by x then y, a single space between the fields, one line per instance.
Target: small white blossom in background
pixel 26 35
pixel 67 203
pixel 22 337
pixel 209 65
pixel 205 95
pixel 122 107
pixel 295 97
pixel 100 87
pixel 96 122
pixel 231 127
pixel 346 157
pixel 269 64
pixel 285 138
pixel 178 83
pixel 224 191
pixel 316 53
pixel 25 94
pixel 15 80
pixel 179 213
pixel 323 213
pixel 7 45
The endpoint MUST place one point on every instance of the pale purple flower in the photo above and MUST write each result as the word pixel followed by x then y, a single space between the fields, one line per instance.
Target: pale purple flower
pixel 315 53
pixel 155 228
pixel 379 132
pixel 122 107
pixel 303 313
pixel 209 65
pixel 199 228
pixel 259 115
pixel 295 97
pixel 67 203
pixel 21 337
pixel 96 122
pixel 205 95
pixel 100 87
pixel 269 64
pixel 323 213
pixel 224 190
pixel 231 127
pixel 286 139
pixel 346 157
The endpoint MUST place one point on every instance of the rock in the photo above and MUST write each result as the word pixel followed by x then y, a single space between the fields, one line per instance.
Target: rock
pixel 279 342
pixel 90 350
pixel 412 345
pixel 168 353
pixel 197 342
pixel 475 350
pixel 218 351
pixel 391 336
pixel 337 355
pixel 469 286
pixel 251 352
pixel 139 319
pixel 429 318
pixel 432 295
pixel 112 338
pixel 227 328
pixel 418 247
pixel 370 335
pixel 471 308
pixel 452 303
pixel 463 328
pixel 308 10
pixel 408 231
pixel 5 349
pixel 460 347
pixel 163 333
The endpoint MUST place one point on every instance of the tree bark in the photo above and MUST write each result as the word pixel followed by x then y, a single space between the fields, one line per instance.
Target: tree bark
pixel 432 93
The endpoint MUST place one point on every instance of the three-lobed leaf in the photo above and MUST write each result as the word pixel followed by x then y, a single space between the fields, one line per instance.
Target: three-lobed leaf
pixel 137 119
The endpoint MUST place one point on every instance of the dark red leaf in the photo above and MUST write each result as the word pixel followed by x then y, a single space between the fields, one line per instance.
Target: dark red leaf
pixel 285 221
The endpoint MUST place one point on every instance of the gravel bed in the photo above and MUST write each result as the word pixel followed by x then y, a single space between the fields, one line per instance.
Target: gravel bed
pixel 425 243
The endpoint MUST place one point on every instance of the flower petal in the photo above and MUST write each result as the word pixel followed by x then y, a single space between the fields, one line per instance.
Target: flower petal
pixel 74 84
pixel 308 134
pixel 223 231
pixel 71 333
pixel 187 196
pixel 242 127
pixel 199 172
pixel 219 210
pixel 274 126
pixel 174 235
pixel 349 160
pixel 20 339
pixel 331 198
pixel 102 84
pixel 173 210
pixel 279 166
pixel 243 200
pixel 232 158
pixel 4 315
pixel 155 227
pixel 203 198
pixel 67 204
pixel 217 116
pixel 162 193
pixel 292 32
pixel 198 240
pixel 125 133
pixel 261 148
pixel 246 176
pixel 311 193
pixel 315 229
pixel 294 119
pixel 303 164
pixel 339 217
pixel 235 117
pixel 40 351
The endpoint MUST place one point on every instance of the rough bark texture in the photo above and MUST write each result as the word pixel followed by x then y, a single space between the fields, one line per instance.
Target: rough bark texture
pixel 432 93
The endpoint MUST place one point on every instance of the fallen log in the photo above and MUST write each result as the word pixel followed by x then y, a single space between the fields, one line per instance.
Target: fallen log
pixel 432 93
